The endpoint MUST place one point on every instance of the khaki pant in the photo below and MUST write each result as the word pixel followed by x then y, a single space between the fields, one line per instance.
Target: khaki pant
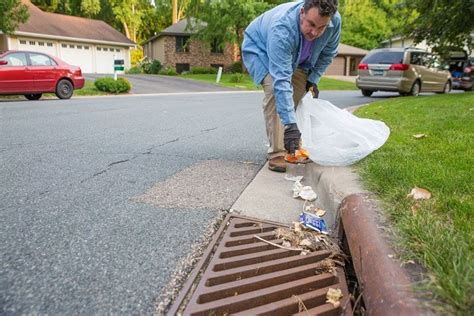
pixel 272 120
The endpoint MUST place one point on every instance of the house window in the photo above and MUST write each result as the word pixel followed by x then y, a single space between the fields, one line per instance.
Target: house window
pixel 71 46
pixel 86 47
pixel 64 45
pixel 99 49
pixel 182 67
pixel 40 43
pixel 216 47
pixel 182 44
pixel 105 49
pixel 32 43
pixel 79 46
pixel 22 42
pixel 117 50
pixel 50 44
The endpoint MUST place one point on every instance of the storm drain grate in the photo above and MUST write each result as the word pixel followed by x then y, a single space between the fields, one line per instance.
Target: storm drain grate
pixel 247 276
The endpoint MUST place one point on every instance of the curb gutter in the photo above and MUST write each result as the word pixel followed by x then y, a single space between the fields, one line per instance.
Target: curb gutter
pixel 386 287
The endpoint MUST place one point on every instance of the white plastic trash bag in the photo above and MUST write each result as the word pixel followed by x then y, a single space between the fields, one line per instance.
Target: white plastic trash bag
pixel 335 137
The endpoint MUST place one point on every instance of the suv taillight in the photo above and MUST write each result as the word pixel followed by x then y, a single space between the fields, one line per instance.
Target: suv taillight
pixel 399 67
pixel 363 67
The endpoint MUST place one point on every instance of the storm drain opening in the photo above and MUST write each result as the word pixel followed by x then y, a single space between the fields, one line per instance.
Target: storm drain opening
pixel 248 270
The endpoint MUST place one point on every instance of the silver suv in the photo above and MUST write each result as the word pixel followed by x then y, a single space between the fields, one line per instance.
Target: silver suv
pixel 406 70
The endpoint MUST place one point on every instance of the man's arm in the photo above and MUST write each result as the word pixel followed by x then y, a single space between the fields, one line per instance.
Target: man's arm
pixel 280 58
pixel 326 56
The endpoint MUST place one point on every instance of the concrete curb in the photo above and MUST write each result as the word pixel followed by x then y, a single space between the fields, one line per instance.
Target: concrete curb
pixel 386 286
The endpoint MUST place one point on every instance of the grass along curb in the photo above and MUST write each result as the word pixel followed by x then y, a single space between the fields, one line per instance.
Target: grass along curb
pixel 248 84
pixel 437 233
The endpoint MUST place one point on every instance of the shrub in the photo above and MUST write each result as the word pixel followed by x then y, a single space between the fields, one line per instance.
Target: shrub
pixel 136 55
pixel 203 70
pixel 236 67
pixel 108 84
pixel 168 72
pixel 150 66
pixel 134 70
pixel 237 77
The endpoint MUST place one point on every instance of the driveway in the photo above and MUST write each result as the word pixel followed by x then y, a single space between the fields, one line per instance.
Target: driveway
pixel 143 84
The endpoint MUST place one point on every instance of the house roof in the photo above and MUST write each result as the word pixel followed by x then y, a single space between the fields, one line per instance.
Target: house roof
pixel 59 25
pixel 344 49
pixel 177 29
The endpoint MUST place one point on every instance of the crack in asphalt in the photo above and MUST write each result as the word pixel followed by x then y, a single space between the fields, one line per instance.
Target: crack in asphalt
pixel 209 129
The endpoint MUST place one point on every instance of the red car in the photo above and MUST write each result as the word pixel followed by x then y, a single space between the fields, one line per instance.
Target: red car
pixel 32 74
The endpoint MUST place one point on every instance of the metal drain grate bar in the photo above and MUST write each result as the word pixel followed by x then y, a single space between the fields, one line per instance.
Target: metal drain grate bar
pixel 247 276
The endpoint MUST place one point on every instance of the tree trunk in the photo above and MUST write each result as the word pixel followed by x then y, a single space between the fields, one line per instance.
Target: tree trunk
pixel 127 32
pixel 174 16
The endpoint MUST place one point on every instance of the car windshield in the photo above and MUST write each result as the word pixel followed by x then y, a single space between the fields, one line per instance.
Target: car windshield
pixel 383 58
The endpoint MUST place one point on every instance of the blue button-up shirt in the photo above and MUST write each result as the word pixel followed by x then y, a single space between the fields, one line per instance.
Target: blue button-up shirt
pixel 272 44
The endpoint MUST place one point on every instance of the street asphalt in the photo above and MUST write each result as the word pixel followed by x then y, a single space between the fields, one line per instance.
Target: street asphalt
pixel 77 235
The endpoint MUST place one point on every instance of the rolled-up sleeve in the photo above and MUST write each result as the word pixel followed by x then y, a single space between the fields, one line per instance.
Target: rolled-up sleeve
pixel 327 55
pixel 279 49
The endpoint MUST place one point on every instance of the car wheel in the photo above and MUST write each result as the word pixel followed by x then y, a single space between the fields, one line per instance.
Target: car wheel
pixel 415 89
pixel 367 93
pixel 64 89
pixel 446 88
pixel 34 96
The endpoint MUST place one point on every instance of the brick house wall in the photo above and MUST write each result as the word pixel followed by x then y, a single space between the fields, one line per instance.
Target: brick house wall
pixel 199 54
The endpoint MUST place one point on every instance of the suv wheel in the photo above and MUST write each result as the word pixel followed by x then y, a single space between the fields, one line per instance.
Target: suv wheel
pixel 447 87
pixel 64 89
pixel 367 93
pixel 415 89
pixel 34 96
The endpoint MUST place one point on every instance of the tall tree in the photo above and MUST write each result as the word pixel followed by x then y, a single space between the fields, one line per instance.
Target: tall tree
pixel 90 8
pixel 13 14
pixel 224 20
pixel 444 24
pixel 364 24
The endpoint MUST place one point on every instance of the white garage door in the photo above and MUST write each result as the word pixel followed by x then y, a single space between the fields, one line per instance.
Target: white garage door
pixel 105 56
pixel 78 55
pixel 43 46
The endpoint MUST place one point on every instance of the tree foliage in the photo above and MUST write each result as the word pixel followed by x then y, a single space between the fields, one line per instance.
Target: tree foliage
pixel 223 20
pixel 13 14
pixel 444 24
pixel 366 23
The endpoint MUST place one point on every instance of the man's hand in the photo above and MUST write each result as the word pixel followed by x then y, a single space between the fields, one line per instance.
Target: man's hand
pixel 313 88
pixel 292 138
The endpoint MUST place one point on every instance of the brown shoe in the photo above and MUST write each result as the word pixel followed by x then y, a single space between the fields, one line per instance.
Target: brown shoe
pixel 277 164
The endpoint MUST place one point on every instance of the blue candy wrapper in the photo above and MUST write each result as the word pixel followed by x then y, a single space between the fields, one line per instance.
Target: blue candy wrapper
pixel 313 221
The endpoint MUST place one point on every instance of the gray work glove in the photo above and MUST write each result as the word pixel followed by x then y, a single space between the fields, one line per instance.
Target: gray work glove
pixel 313 88
pixel 292 137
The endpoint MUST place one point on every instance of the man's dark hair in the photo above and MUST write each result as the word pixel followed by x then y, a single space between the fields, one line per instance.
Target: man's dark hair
pixel 325 7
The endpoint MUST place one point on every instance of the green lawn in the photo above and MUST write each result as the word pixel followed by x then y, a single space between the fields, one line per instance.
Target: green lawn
pixel 248 84
pixel 439 234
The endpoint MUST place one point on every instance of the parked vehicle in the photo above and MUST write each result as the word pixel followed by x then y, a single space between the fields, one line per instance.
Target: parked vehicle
pixel 32 74
pixel 461 68
pixel 408 71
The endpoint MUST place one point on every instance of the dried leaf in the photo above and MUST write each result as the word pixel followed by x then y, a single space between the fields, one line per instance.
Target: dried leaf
pixel 418 136
pixel 298 227
pixel 306 243
pixel 286 243
pixel 419 194
pixel 334 296
pixel 304 253
pixel 320 212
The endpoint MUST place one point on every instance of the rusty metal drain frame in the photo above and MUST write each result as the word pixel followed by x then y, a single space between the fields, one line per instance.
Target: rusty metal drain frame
pixel 186 294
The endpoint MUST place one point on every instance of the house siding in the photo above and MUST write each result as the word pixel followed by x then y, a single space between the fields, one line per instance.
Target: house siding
pixel 199 54
pixel 337 67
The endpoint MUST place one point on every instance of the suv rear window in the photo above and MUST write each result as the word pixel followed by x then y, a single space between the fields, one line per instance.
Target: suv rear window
pixel 383 58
